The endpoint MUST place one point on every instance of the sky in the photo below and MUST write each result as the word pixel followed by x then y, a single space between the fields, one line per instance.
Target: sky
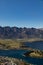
pixel 21 13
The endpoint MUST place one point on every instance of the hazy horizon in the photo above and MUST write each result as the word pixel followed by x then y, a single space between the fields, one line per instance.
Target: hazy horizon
pixel 20 26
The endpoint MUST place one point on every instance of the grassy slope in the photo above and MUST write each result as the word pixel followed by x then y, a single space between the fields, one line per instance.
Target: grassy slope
pixel 15 43
pixel 37 54
pixel 9 43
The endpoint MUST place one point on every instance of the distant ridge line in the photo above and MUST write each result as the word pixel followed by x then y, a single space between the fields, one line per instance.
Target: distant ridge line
pixel 19 32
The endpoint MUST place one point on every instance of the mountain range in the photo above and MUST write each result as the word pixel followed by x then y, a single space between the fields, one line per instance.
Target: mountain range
pixel 20 33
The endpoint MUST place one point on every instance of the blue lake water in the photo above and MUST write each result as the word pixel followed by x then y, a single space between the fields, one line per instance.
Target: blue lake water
pixel 35 45
pixel 19 53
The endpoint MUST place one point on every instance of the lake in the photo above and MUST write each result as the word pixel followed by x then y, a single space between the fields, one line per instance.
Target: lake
pixel 35 45
pixel 19 53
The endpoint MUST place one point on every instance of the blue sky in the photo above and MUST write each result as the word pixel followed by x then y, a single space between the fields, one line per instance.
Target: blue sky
pixel 21 13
